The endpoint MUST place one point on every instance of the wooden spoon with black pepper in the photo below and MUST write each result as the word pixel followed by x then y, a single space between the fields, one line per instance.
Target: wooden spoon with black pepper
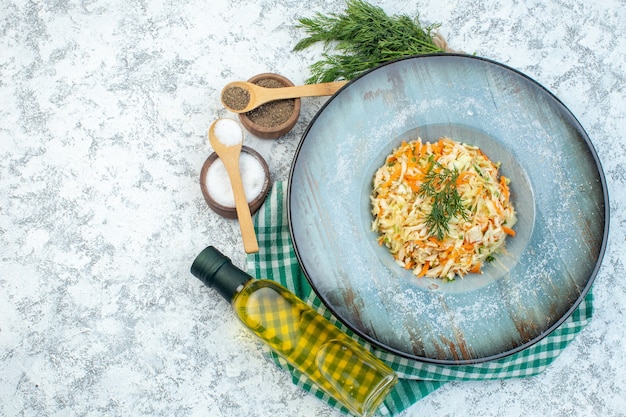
pixel 242 96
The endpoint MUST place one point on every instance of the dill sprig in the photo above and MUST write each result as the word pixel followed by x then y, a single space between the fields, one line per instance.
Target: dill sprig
pixel 364 37
pixel 440 185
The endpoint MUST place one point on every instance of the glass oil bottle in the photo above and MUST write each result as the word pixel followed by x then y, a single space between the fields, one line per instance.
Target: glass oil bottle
pixel 332 360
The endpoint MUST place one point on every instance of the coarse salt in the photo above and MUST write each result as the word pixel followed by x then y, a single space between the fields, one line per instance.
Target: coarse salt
pixel 228 132
pixel 252 176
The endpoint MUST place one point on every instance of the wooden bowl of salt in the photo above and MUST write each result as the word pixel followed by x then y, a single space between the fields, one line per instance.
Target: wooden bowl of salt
pixel 216 188
pixel 274 119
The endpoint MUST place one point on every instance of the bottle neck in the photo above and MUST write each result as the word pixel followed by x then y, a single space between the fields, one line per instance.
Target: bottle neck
pixel 218 272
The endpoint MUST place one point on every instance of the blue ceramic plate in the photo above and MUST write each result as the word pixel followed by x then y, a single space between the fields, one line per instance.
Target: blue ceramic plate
pixel 557 187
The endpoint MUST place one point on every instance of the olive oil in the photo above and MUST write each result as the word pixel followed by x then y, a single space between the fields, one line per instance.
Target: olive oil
pixel 314 346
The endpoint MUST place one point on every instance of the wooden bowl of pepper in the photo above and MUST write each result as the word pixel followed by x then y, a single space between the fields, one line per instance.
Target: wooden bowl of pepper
pixel 274 119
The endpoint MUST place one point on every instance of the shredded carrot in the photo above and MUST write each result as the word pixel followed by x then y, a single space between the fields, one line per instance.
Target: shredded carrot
pixel 425 268
pixel 505 187
pixel 476 268
pixel 508 231
pixel 464 177
pixel 469 247
pixel 397 170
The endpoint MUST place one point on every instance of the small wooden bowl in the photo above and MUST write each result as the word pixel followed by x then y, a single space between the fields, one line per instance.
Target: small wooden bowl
pixel 273 132
pixel 231 212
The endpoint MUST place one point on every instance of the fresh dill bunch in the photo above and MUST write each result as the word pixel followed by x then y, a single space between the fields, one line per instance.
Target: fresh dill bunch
pixel 440 185
pixel 364 36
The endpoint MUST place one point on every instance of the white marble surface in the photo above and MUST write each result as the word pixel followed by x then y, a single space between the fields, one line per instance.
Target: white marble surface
pixel 104 108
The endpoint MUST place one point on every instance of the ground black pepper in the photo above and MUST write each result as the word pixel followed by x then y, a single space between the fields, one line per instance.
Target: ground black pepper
pixel 236 98
pixel 274 113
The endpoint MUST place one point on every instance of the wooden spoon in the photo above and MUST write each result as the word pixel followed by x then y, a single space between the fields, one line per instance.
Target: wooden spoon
pixel 260 95
pixel 229 152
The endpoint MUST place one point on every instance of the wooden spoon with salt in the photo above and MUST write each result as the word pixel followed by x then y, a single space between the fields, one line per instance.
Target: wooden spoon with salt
pixel 236 93
pixel 226 138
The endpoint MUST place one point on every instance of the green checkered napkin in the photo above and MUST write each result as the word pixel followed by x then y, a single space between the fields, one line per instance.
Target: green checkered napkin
pixel 276 260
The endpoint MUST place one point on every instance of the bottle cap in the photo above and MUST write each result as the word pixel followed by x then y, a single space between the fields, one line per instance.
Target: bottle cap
pixel 218 272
